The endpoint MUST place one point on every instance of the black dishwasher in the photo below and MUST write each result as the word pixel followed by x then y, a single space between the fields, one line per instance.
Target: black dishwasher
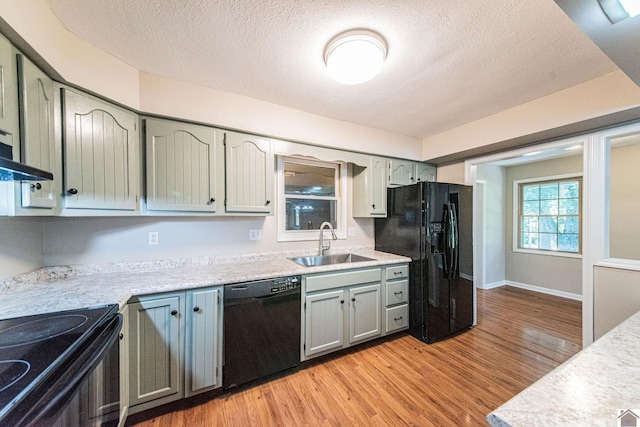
pixel 261 329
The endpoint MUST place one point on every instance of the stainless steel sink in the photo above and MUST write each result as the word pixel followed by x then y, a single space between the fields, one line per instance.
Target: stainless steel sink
pixel 314 261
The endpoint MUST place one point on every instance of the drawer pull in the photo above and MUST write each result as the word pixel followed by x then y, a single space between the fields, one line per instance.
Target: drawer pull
pixel 397 319
pixel 397 273
pixel 397 293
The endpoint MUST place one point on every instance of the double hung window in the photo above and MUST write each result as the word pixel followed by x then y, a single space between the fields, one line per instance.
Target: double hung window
pixel 549 215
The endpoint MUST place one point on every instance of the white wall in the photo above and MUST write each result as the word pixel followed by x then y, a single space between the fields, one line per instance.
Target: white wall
pixel 108 240
pixel 616 296
pixel 21 246
pixel 494 219
pixel 603 95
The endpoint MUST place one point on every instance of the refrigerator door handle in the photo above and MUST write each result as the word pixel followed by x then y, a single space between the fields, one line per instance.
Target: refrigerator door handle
pixel 454 252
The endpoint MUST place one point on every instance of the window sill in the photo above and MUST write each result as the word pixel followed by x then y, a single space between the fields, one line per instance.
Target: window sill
pixel 547 253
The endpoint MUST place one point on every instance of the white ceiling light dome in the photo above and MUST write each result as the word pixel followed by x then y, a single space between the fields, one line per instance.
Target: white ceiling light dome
pixel 355 56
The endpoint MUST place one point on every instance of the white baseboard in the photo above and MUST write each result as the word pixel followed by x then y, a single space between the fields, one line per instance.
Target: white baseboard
pixel 531 288
pixel 548 291
pixel 493 285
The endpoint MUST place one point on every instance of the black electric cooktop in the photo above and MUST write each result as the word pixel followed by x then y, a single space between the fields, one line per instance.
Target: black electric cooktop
pixel 33 350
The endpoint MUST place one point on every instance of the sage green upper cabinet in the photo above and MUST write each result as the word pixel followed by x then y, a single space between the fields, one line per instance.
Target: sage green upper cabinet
pixel 425 172
pixel 36 132
pixel 370 189
pixel 401 172
pixel 249 174
pixel 8 95
pixel 100 145
pixel 181 167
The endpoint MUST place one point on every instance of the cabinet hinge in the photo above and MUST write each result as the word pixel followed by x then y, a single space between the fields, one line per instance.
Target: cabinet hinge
pixel 135 126
pixel 304 346
pixel 216 372
pixel 305 305
pixel 218 299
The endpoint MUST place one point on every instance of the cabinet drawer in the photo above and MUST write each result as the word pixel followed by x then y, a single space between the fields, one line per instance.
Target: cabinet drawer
pixel 397 272
pixel 397 292
pixel 397 318
pixel 338 280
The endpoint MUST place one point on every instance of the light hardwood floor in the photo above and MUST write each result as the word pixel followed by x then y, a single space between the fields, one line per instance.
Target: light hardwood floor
pixel 399 381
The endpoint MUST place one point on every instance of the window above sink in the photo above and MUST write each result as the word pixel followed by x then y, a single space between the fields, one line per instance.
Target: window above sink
pixel 310 192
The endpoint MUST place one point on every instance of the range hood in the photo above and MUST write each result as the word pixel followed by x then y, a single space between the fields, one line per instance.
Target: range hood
pixel 14 171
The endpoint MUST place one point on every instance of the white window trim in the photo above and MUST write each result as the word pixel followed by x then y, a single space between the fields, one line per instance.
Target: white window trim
pixel 308 235
pixel 516 216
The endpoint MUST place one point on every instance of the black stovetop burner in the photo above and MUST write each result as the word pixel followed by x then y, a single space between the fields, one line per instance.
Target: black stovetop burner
pixel 32 348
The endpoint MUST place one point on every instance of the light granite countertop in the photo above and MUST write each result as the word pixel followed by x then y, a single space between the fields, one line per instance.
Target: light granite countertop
pixel 61 288
pixel 593 388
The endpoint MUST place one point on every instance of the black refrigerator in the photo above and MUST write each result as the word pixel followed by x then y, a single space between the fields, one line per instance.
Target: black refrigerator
pixel 431 223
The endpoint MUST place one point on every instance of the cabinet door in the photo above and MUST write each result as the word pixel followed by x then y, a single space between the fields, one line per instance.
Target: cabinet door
pixel 36 131
pixel 364 312
pixel 249 173
pixel 8 94
pixel 181 167
pixel 154 350
pixel 204 346
pixel 401 172
pixel 324 327
pixel 100 160
pixel 378 188
pixel 425 172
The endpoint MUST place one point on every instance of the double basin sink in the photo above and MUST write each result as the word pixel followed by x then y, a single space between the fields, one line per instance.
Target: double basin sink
pixel 318 260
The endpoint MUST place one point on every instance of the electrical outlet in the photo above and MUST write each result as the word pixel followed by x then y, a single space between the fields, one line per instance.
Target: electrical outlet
pixel 153 237
pixel 255 234
pixel 351 231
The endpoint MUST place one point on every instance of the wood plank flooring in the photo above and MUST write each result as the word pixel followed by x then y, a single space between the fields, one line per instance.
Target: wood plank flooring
pixel 399 381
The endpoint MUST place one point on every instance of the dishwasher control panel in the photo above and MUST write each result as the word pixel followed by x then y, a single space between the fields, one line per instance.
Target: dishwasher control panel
pixel 285 283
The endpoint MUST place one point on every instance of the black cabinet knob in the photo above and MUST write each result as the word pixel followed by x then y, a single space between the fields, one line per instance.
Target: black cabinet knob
pixel 211 201
pixel 196 309
pixel 341 301
pixel 121 336
pixel 268 202
pixel 174 312
pixel 353 299
pixel 36 186
pixel 373 206
pixel 72 191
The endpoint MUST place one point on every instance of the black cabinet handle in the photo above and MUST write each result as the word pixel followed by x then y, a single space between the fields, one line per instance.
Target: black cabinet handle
pixel 196 309
pixel 268 202
pixel 397 273
pixel 121 336
pixel 174 312
pixel 341 301
pixel 353 299
pixel 373 206
pixel 73 191
pixel 211 201
pixel 36 186
pixel 397 318
pixel 398 293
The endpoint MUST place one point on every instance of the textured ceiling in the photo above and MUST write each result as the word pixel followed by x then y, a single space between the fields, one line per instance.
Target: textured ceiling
pixel 449 62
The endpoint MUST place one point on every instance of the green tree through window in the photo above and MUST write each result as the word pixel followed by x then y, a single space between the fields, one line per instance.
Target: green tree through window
pixel 550 216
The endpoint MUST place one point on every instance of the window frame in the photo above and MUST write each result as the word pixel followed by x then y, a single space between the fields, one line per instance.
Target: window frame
pixel 341 200
pixel 517 205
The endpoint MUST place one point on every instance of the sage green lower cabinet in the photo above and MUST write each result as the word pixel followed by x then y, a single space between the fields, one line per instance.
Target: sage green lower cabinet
pixel 175 346
pixel 348 307
pixel 338 305
pixel 203 360
pixel 396 298
pixel 156 344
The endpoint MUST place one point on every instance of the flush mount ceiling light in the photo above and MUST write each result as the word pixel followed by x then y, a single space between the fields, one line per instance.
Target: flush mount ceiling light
pixel 617 10
pixel 355 56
